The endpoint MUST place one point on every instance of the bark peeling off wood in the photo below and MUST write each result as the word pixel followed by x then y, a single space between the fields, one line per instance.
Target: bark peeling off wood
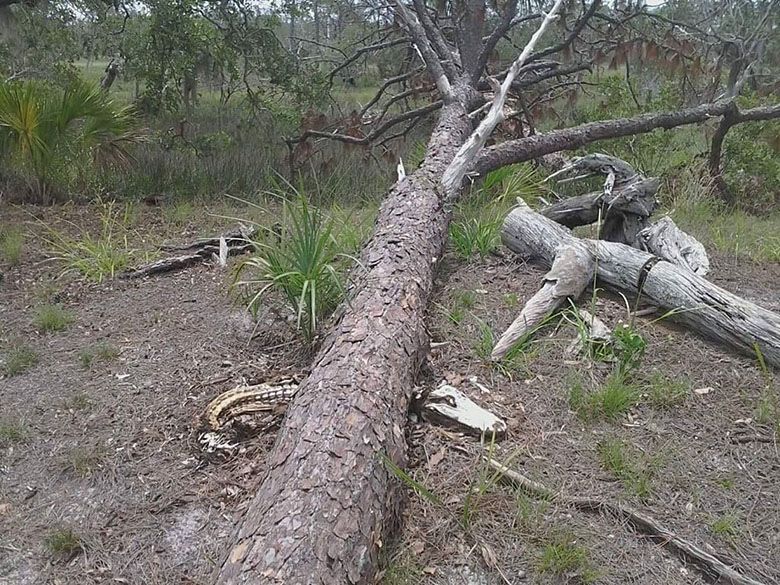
pixel 667 241
pixel 570 273
pixel 448 405
pixel 690 299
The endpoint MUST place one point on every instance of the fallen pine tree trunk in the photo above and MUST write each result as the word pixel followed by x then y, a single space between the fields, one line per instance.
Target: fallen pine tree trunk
pixel 327 501
pixel 689 298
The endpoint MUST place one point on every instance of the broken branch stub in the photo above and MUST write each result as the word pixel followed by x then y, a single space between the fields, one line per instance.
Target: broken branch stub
pixel 448 405
pixel 667 241
pixel 571 271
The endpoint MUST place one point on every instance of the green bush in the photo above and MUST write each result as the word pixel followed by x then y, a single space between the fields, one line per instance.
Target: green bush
pixel 298 258
pixel 49 138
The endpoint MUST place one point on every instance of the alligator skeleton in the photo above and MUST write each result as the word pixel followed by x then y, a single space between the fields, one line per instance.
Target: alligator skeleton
pixel 261 407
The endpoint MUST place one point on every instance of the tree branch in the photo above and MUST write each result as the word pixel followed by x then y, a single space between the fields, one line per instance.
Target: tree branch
pixel 427 54
pixel 573 35
pixel 531 147
pixel 492 40
pixel 456 170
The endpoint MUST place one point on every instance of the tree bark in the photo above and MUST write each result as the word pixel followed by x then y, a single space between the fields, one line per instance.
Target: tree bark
pixel 691 300
pixel 327 501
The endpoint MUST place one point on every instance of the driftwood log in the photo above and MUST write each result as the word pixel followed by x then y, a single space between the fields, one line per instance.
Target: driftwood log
pixel 689 298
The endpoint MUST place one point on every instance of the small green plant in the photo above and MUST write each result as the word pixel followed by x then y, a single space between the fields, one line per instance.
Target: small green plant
pixel 95 257
pixel 511 300
pixel 726 482
pixel 529 512
pixel 518 359
pixel 19 358
pixel 402 572
pixel 100 351
pixel 300 263
pixel 52 318
pixel 462 302
pixel 63 542
pixel 475 235
pixel 83 461
pixel 767 410
pixel 633 469
pixel 11 431
pixel 726 525
pixel 562 556
pixel 629 347
pixel 614 398
pixel 664 393
pixel 11 243
pixel 485 340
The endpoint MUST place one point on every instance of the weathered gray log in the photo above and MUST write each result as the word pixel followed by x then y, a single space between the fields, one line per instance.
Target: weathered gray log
pixel 571 272
pixel 218 248
pixel 623 206
pixel 667 241
pixel 691 300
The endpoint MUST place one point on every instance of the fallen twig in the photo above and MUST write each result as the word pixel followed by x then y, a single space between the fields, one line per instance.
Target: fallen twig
pixel 642 522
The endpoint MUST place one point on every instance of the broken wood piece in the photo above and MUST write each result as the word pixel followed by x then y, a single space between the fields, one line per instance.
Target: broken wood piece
pixel 218 249
pixel 449 406
pixel 688 298
pixel 596 331
pixel 705 561
pixel 571 272
pixel 235 237
pixel 667 241
pixel 622 207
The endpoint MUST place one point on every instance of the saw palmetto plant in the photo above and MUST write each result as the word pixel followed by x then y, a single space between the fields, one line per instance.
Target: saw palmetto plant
pixel 50 137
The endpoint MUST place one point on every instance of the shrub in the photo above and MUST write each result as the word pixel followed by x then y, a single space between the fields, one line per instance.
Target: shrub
pixel 299 260
pixel 48 137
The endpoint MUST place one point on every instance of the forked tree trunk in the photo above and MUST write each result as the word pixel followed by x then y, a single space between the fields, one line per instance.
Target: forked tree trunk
pixel 323 510
pixel 691 300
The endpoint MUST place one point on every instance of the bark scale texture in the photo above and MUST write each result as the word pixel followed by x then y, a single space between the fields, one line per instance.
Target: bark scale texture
pixel 327 501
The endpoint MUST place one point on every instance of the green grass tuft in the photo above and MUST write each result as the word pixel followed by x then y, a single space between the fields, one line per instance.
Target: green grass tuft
pixel 563 557
pixel 19 359
pixel 11 431
pixel 102 351
pixel 11 244
pixel 665 393
pixel 63 542
pixel 52 318
pixel 727 525
pixel 83 461
pixel 610 401
pixel 631 467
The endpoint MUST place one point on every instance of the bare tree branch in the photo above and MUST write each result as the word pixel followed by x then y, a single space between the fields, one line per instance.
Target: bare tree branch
pixel 531 147
pixel 427 54
pixel 456 170
pixel 492 40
